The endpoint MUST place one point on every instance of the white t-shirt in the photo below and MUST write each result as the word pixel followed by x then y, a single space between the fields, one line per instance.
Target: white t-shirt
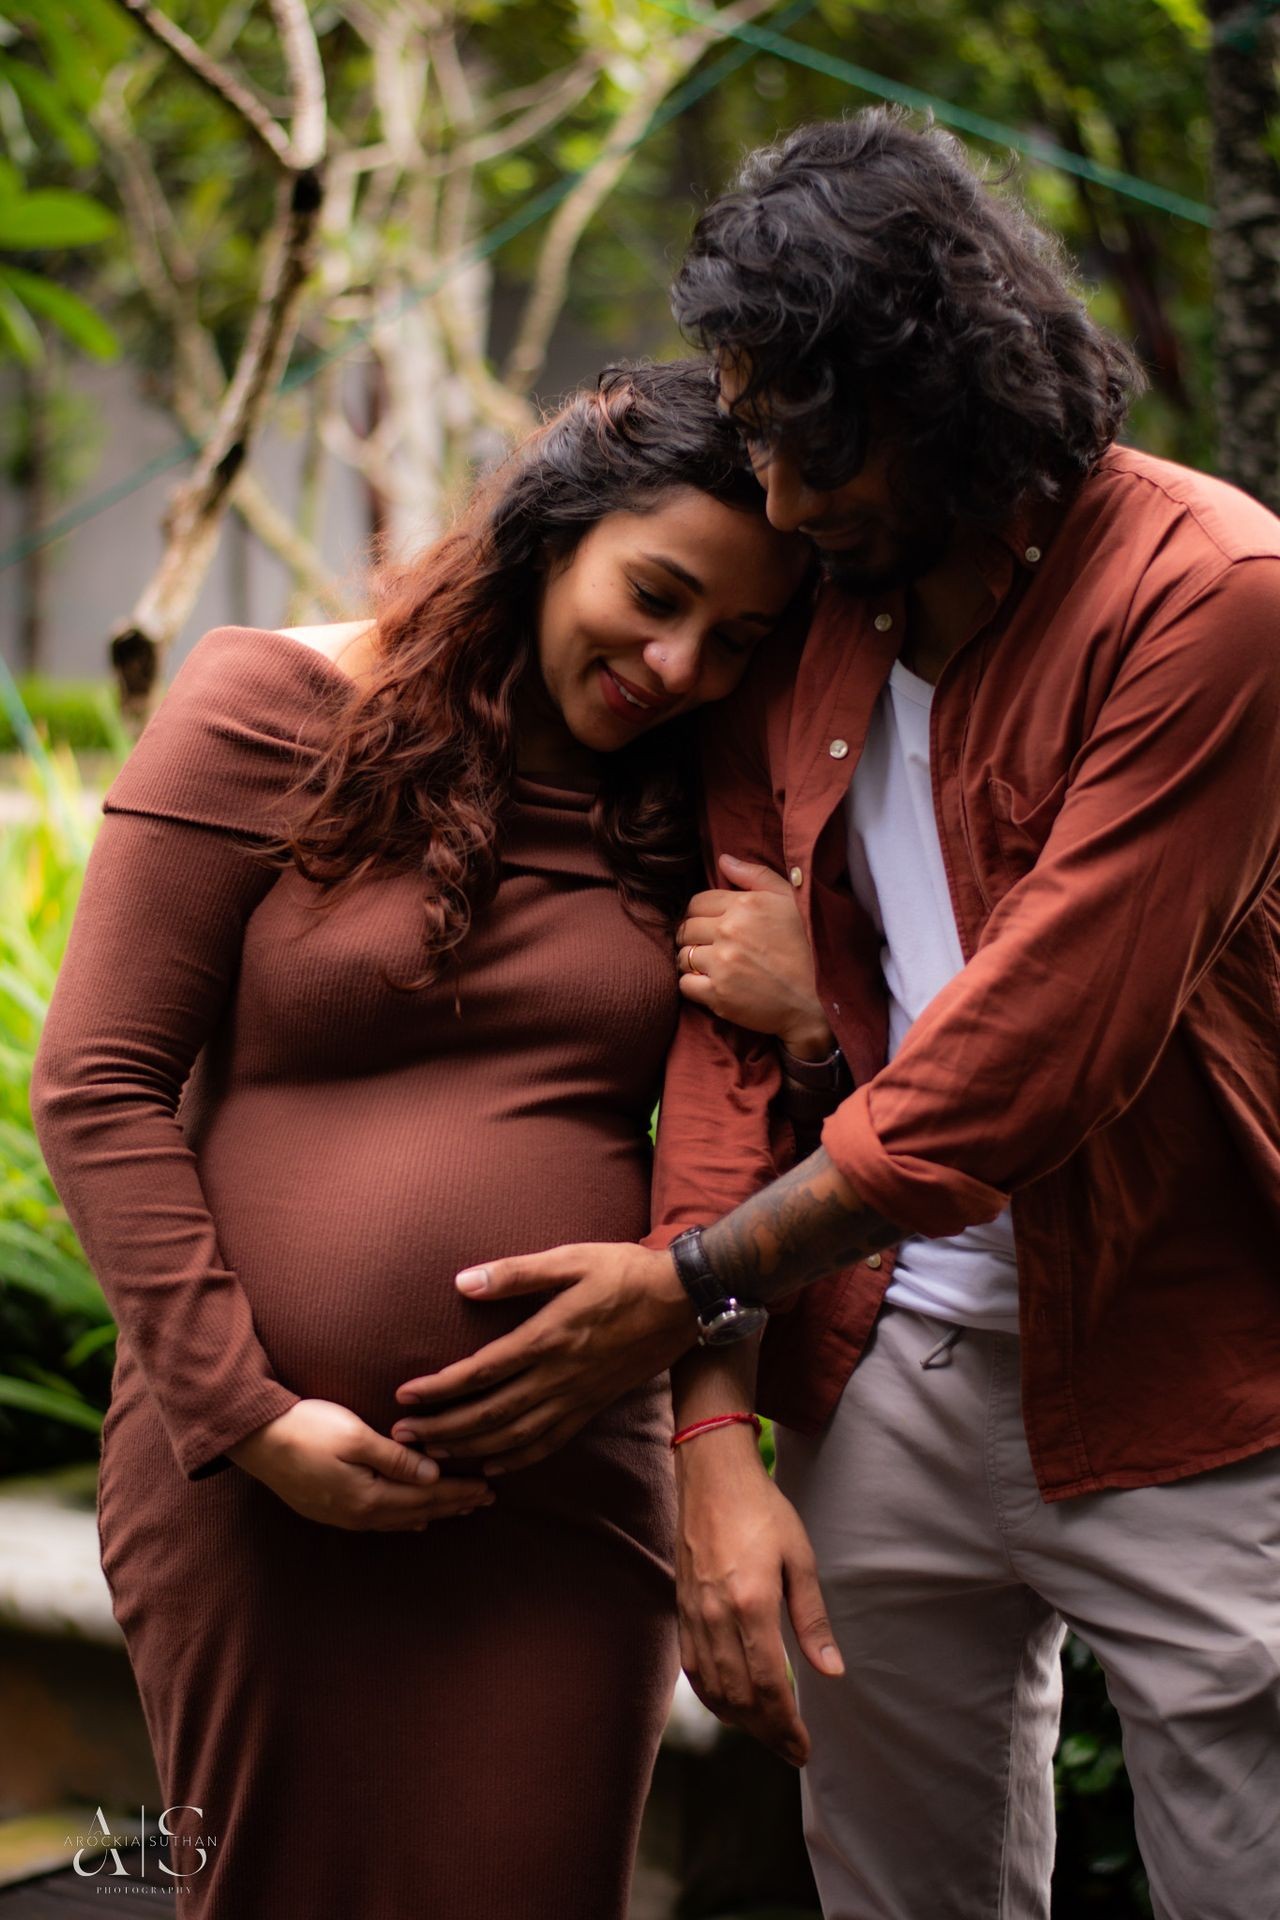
pixel 895 865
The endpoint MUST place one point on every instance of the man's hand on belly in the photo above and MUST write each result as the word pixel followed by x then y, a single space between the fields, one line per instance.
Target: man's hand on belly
pixel 620 1317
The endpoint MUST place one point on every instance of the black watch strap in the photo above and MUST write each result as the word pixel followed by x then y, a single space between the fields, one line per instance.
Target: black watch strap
pixel 722 1317
pixel 695 1271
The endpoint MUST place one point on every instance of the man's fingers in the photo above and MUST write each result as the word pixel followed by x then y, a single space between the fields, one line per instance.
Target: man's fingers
pixel 498 1408
pixel 500 1360
pixel 521 1273
pixel 808 1613
pixel 754 876
pixel 776 1716
pixel 486 1427
pixel 740 1671
pixel 551 1440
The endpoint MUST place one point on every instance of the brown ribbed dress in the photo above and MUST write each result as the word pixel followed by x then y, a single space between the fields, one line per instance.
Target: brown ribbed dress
pixel 276 1163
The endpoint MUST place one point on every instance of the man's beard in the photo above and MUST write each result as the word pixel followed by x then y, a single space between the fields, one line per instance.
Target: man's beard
pixel 911 555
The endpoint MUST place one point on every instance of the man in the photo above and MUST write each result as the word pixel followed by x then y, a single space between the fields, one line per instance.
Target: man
pixel 1024 781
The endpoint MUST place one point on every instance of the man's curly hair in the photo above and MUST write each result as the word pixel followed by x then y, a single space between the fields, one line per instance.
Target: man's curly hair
pixel 864 261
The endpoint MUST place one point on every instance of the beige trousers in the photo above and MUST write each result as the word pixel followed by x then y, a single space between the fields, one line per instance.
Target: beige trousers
pixel 929 1794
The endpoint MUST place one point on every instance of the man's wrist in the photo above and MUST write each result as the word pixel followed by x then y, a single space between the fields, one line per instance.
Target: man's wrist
pixel 724 1319
pixel 809 1222
pixel 727 1454
pixel 668 1288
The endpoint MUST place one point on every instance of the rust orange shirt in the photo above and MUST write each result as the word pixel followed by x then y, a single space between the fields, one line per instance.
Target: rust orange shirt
pixel 1105 753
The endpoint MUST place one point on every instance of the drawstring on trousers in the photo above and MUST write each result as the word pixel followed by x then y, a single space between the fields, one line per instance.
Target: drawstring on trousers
pixel 940 1356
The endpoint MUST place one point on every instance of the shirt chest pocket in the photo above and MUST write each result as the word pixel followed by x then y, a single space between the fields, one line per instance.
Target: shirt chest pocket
pixel 1021 824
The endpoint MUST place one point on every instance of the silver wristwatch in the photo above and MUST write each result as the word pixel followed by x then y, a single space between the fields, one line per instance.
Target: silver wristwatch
pixel 722 1318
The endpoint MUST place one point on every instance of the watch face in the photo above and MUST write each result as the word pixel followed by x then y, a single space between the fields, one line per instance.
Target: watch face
pixel 734 1321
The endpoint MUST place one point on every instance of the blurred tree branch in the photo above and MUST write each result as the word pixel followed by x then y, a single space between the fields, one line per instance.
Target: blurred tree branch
pixel 1244 93
pixel 194 514
pixel 666 67
pixel 168 276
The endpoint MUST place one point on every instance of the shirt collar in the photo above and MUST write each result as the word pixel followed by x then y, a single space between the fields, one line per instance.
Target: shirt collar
pixel 1030 526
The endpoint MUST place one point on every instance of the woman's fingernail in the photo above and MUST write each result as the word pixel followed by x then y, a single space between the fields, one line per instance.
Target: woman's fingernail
pixel 426 1470
pixel 830 1658
pixel 472 1280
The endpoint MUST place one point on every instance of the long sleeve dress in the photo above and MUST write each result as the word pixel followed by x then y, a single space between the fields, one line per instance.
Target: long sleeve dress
pixel 276 1161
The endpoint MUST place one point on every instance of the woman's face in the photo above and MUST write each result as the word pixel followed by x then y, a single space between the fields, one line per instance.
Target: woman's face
pixel 655 613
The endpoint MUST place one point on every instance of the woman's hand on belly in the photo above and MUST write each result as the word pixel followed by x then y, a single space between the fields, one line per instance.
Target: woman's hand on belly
pixel 322 1460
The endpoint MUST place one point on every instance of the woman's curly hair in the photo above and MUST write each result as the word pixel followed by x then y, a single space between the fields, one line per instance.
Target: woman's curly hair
pixel 417 766
pixel 864 261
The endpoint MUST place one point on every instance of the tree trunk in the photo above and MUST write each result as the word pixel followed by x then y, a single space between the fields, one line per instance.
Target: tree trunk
pixel 1245 104
pixel 33 477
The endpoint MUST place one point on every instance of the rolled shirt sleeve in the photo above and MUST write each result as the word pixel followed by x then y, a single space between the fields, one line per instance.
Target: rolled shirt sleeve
pixel 1166 842
pixel 722 1130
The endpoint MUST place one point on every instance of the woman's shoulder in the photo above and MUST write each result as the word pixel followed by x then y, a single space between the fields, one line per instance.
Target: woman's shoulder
pixel 233 730
pixel 349 645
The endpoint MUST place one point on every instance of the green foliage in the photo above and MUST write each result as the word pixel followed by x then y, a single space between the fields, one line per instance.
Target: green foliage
pixel 52 58
pixel 56 1334
pixel 1098 1875
pixel 76 713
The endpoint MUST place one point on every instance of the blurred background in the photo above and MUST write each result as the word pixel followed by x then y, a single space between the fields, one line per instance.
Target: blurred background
pixel 276 280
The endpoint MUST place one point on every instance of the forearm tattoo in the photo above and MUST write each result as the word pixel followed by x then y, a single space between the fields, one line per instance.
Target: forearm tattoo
pixel 808 1223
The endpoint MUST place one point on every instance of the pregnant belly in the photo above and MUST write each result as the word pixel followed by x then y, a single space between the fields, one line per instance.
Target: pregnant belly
pixel 346 1231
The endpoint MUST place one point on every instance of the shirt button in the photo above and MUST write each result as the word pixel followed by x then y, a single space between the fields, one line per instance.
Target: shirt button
pixel 838 749
pixel 874 1260
pixel 883 622
pixel 796 876
pixel 1032 554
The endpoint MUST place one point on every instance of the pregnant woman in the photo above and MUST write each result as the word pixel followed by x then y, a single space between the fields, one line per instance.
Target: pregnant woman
pixel 373 966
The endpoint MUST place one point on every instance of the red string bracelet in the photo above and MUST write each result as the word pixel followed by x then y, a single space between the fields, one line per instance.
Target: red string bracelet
pixel 716 1420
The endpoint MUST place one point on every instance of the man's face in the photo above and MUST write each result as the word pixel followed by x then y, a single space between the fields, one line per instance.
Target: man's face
pixel 870 535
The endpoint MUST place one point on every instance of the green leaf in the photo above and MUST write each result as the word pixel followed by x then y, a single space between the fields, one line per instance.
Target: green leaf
pixel 58 1406
pixel 70 314
pixel 1189 17
pixel 19 329
pixel 29 1259
pixel 88 1343
pixel 54 217
pixel 42 98
pixel 1080 1750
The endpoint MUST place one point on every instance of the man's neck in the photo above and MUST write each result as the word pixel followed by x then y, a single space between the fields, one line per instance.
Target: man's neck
pixel 942 608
